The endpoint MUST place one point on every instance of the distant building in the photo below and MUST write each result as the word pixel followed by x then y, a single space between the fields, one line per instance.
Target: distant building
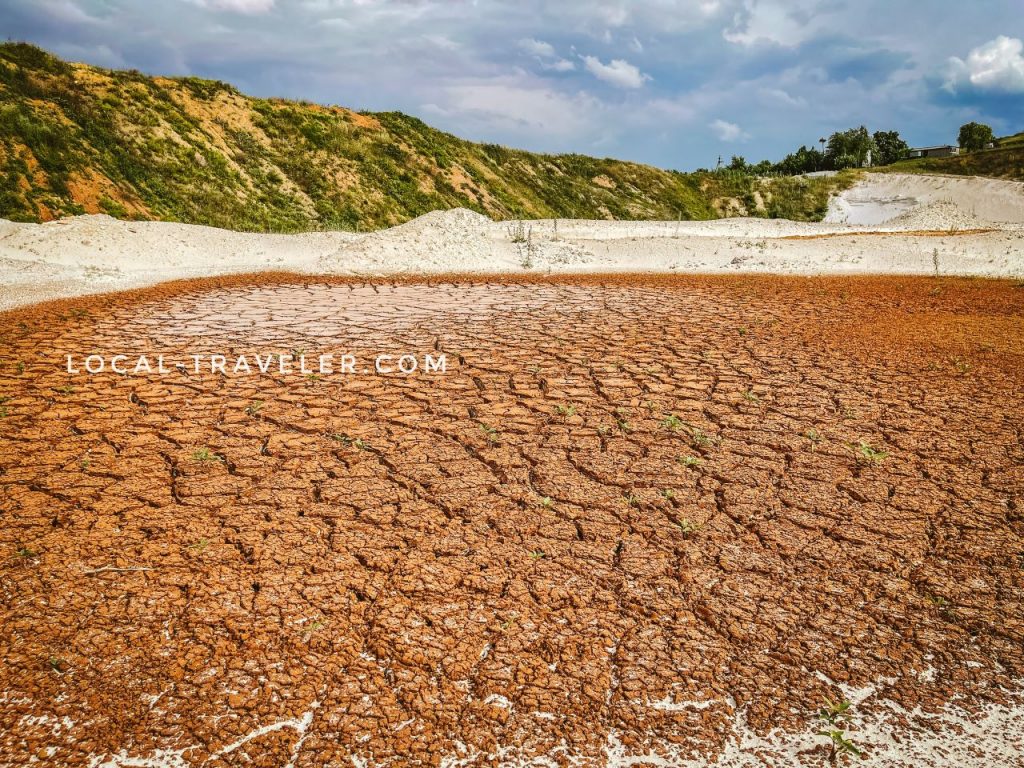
pixel 943 150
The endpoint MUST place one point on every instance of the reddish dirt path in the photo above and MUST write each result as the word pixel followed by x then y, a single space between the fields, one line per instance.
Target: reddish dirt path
pixel 626 494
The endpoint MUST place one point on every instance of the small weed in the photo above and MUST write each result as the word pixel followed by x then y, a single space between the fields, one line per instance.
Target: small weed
pixel 565 410
pixel 813 436
pixel 700 439
pixel 946 610
pixel 25 552
pixel 672 422
pixel 668 493
pixel 690 461
pixel 517 231
pixel 20 367
pixel 205 454
pixel 535 369
pixel 254 407
pixel 312 378
pixel 688 527
pixel 631 500
pixel 742 330
pixel 750 397
pixel 200 545
pixel 491 432
pixel 836 715
pixel 537 554
pixel 961 366
pixel 624 425
pixel 65 390
pixel 869 454
pixel 546 502
pixel 58 665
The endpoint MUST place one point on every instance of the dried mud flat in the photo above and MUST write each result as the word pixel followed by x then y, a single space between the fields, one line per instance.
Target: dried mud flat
pixel 640 520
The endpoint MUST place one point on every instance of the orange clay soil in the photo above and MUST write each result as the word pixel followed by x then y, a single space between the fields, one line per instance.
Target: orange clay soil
pixel 625 491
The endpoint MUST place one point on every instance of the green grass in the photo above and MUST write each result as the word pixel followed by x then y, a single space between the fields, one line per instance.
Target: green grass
pixel 1006 161
pixel 198 151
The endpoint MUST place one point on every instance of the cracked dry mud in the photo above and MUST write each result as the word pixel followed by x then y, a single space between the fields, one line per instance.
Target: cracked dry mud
pixel 632 508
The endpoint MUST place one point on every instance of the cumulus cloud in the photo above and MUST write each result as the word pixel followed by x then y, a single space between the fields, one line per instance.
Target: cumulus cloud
pixel 617 72
pixel 996 66
pixel 545 53
pixel 728 131
pixel 237 6
pixel 786 23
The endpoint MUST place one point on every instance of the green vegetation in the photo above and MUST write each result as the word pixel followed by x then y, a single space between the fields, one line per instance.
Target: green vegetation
pixel 836 717
pixel 975 136
pixel 205 454
pixel 78 139
pixel 1004 161
pixel 868 454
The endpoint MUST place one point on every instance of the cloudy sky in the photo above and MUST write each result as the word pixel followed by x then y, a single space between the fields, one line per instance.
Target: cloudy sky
pixel 673 83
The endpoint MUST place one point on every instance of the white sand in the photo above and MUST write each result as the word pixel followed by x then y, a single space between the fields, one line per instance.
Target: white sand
pixel 92 254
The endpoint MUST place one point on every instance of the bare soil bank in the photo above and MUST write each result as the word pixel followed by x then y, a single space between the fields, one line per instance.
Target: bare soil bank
pixel 639 516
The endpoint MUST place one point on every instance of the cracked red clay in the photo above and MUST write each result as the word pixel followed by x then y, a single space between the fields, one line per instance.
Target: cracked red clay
pixel 625 490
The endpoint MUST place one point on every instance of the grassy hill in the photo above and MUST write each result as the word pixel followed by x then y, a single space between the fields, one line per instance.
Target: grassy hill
pixel 79 139
pixel 1006 161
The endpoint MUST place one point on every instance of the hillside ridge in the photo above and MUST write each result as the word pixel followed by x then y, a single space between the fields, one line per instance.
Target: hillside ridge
pixel 78 139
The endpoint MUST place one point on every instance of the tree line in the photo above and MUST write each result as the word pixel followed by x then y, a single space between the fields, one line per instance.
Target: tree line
pixel 852 149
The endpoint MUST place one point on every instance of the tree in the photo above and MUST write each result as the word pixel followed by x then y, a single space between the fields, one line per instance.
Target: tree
pixel 804 160
pixel 889 147
pixel 849 149
pixel 738 163
pixel 974 136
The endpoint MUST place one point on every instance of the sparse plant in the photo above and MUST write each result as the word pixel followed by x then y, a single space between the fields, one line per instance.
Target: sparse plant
pixel 517 231
pixel 751 397
pixel 700 439
pixel 25 552
pixel 869 454
pixel 836 716
pixel 687 526
pixel 254 407
pixel 690 461
pixel 205 455
pixel 672 422
pixel 668 494
pixel 631 500
pixel 491 432
pixel 537 554
pixel 57 664
pixel 546 502
pixel 565 410
pixel 624 425
pixel 200 545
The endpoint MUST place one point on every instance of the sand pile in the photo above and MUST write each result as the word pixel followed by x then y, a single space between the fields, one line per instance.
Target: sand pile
pixel 880 197
pixel 942 215
pixel 455 240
